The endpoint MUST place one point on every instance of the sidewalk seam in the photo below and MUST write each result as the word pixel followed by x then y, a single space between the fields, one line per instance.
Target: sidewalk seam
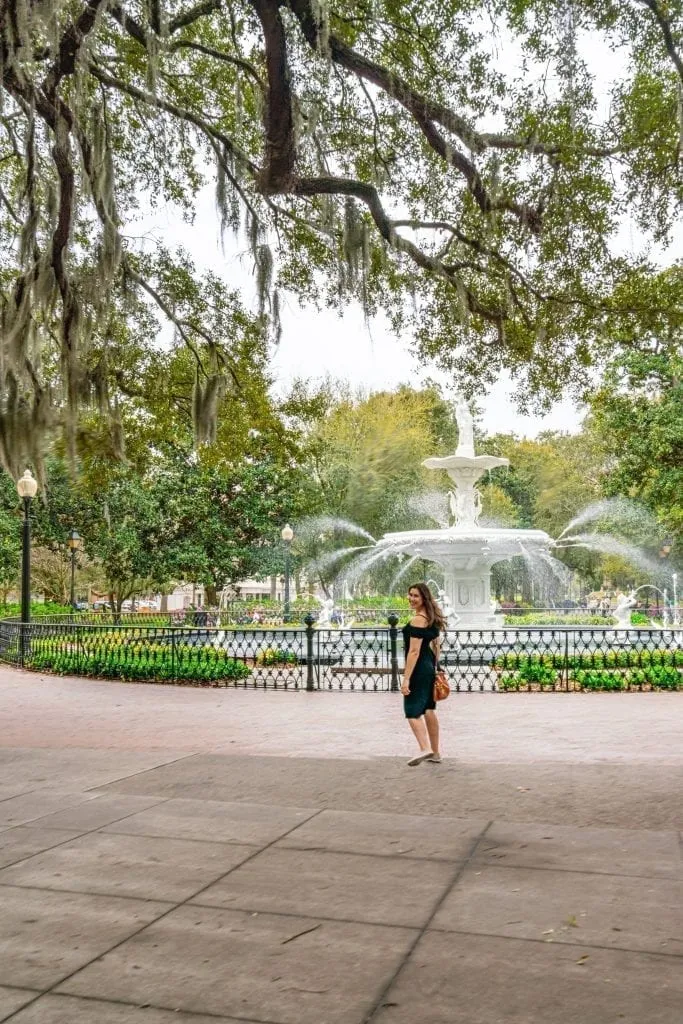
pixel 137 1006
pixel 559 942
pixel 79 835
pixel 422 931
pixel 171 908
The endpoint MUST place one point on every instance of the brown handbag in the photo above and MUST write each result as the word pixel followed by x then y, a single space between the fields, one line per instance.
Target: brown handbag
pixel 441 687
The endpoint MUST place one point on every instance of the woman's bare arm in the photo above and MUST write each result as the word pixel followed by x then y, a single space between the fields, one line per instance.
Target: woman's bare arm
pixel 413 654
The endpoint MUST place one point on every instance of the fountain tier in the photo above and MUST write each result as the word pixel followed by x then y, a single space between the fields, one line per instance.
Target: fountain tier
pixel 465 550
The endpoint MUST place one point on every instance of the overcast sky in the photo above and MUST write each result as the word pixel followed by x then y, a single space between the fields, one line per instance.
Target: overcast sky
pixel 315 344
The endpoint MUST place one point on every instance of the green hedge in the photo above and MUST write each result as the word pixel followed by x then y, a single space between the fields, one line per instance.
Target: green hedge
pixel 592 659
pixel 560 619
pixel 134 663
pixel 658 676
pixel 38 610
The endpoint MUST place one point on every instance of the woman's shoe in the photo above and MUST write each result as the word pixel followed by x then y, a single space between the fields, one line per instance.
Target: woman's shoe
pixel 436 758
pixel 419 758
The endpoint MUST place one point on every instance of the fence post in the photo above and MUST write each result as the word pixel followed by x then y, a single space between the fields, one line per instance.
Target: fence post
pixel 309 620
pixel 393 643
pixel 566 659
pixel 173 653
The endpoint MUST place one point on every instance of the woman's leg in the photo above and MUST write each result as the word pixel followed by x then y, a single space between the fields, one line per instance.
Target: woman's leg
pixel 432 723
pixel 419 727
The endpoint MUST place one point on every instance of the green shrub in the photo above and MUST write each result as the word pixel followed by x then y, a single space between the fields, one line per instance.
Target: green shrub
pixel 662 677
pixel 599 679
pixel 276 656
pixel 536 673
pixel 524 661
pixel 639 619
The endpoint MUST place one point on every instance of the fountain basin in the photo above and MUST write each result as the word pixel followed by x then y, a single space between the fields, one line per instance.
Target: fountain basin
pixel 466 555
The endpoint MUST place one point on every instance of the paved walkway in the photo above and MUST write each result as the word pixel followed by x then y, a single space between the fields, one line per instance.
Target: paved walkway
pixel 181 855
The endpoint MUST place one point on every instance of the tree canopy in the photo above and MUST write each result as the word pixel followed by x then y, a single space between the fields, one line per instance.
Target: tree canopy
pixel 375 149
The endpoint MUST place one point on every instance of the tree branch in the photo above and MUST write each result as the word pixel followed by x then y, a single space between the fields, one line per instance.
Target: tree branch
pixel 228 58
pixel 171 108
pixel 278 166
pixel 665 26
pixel 70 44
pixel 425 113
pixel 193 14
pixel 368 195
pixel 167 311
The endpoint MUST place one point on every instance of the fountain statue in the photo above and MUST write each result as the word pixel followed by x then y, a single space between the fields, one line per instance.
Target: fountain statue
pixel 622 611
pixel 324 620
pixel 465 422
pixel 449 613
pixel 465 550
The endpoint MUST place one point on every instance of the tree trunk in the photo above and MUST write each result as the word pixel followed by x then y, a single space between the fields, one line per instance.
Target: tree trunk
pixel 164 602
pixel 210 596
pixel 273 588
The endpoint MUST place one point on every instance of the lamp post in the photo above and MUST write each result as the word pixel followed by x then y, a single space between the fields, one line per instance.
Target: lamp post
pixel 287 535
pixel 27 488
pixel 74 543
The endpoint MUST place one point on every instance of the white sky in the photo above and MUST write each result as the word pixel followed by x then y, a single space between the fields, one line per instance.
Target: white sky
pixel 320 343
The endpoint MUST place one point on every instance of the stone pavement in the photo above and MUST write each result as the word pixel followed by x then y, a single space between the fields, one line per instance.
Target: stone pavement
pixel 158 866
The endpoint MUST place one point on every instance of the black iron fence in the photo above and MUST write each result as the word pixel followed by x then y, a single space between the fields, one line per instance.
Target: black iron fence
pixel 369 616
pixel 366 659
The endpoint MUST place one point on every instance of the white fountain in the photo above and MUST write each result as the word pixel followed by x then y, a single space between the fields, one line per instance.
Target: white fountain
pixel 465 550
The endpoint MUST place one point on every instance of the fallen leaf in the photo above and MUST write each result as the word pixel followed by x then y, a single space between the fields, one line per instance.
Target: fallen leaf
pixel 298 936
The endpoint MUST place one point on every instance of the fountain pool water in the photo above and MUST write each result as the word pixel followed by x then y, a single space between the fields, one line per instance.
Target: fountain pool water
pixel 465 550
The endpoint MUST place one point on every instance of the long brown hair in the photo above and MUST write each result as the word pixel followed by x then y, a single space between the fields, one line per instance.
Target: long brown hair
pixel 431 609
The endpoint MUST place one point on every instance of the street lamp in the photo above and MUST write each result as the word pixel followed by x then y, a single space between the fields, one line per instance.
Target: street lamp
pixel 287 535
pixel 27 488
pixel 74 543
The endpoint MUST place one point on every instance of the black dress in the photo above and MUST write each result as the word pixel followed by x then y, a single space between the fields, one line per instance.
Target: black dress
pixel 421 682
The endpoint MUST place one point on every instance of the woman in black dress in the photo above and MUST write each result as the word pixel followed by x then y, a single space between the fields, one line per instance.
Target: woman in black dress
pixel 421 639
pixel 422 648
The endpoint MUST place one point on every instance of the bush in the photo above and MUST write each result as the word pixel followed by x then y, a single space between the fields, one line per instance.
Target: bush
pixel 599 679
pixel 533 673
pixel 528 661
pixel 639 619
pixel 276 656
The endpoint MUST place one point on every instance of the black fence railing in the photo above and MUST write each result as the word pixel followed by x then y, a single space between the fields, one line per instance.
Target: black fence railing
pixel 367 659
pixel 347 617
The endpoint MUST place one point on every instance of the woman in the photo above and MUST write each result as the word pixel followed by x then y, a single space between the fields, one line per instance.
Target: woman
pixel 421 639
